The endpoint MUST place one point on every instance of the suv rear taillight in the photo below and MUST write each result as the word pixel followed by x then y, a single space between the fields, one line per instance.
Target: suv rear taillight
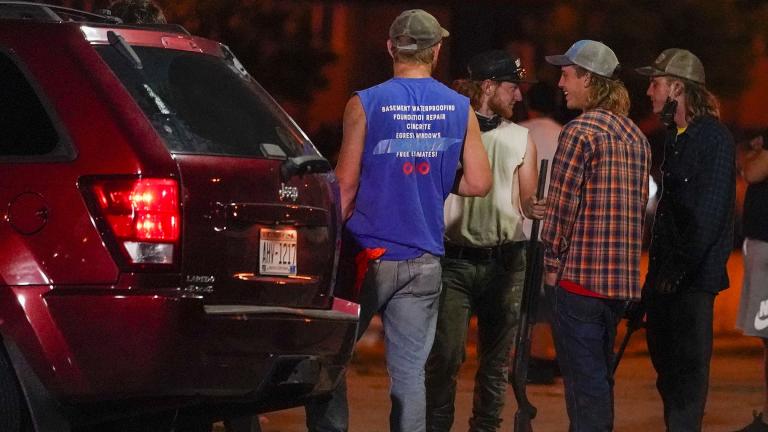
pixel 143 215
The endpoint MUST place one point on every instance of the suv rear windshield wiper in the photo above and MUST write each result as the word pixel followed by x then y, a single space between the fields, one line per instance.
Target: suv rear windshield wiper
pixel 118 43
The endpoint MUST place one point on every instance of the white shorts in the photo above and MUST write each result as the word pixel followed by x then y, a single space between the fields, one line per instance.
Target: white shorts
pixel 753 306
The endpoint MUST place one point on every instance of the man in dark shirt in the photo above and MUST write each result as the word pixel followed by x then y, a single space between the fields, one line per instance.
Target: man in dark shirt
pixel 692 236
pixel 753 307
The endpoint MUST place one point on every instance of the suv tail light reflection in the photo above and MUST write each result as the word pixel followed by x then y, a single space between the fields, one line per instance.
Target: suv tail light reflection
pixel 143 215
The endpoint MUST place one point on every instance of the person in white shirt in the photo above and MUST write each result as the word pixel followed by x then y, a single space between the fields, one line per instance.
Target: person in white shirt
pixel 484 263
pixel 542 127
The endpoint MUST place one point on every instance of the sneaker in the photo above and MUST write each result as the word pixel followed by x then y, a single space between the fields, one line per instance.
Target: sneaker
pixel 757 425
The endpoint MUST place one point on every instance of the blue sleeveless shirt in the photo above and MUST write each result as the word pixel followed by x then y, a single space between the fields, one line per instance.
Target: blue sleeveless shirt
pixel 414 136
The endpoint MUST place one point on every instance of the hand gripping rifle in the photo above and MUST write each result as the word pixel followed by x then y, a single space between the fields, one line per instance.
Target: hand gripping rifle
pixel 533 269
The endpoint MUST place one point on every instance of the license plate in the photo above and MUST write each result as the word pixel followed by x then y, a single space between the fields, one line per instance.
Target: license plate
pixel 277 252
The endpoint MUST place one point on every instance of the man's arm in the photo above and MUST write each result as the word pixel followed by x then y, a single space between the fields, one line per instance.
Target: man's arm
pixel 533 207
pixel 351 155
pixel 563 199
pixel 476 177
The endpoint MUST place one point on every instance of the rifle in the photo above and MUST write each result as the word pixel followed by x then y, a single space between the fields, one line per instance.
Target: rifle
pixel 635 314
pixel 533 269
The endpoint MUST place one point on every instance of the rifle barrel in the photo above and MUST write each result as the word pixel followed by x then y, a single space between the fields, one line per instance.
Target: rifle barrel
pixel 525 410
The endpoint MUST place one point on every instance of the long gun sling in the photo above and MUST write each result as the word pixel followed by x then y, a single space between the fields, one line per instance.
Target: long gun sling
pixel 525 410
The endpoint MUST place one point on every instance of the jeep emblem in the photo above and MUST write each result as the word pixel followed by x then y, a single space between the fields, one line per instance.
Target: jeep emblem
pixel 200 279
pixel 288 192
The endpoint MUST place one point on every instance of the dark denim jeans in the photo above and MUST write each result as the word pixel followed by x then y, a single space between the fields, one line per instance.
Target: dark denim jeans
pixel 406 294
pixel 679 332
pixel 585 329
pixel 492 290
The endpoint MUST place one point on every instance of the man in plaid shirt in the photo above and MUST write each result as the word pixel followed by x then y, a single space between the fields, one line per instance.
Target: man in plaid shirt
pixel 692 236
pixel 593 228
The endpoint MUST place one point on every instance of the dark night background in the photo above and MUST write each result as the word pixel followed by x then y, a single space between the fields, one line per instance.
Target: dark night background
pixel 311 55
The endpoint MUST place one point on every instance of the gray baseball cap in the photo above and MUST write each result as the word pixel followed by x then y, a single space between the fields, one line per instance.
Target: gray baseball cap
pixel 593 56
pixel 676 62
pixel 420 28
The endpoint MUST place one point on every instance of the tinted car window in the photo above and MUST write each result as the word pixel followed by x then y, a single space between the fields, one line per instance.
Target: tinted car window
pixel 204 105
pixel 27 130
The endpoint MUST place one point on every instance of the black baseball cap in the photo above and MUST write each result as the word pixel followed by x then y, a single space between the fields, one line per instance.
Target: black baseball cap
pixel 497 65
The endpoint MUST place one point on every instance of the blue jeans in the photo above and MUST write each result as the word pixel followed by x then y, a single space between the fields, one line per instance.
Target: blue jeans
pixel 406 295
pixel 584 330
pixel 492 290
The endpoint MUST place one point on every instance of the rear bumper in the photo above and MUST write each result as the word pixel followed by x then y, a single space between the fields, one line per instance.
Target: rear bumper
pixel 96 348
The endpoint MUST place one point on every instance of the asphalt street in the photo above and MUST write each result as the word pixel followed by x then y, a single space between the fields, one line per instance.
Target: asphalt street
pixel 735 383
pixel 735 390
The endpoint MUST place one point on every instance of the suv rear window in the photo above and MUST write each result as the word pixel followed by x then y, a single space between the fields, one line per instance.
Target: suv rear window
pixel 202 104
pixel 27 130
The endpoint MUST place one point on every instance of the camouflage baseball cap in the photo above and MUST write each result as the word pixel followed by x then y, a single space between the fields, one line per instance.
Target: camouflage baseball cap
pixel 678 63
pixel 419 28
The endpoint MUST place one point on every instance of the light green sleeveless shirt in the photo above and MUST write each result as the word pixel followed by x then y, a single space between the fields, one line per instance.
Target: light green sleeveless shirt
pixel 496 218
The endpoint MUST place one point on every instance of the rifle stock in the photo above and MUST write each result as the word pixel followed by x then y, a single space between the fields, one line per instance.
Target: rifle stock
pixel 533 273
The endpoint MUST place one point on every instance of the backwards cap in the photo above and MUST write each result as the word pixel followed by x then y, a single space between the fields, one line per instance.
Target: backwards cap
pixel 415 29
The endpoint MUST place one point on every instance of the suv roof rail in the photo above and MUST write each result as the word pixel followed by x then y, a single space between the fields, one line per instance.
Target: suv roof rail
pixel 45 12
pixel 170 28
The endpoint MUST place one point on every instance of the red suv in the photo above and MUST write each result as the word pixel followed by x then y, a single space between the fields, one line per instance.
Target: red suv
pixel 169 237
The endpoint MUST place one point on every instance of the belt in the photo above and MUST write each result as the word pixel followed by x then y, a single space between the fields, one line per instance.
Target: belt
pixel 481 253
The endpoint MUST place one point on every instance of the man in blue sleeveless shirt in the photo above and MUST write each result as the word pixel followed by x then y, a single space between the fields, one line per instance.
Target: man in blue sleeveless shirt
pixel 408 142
